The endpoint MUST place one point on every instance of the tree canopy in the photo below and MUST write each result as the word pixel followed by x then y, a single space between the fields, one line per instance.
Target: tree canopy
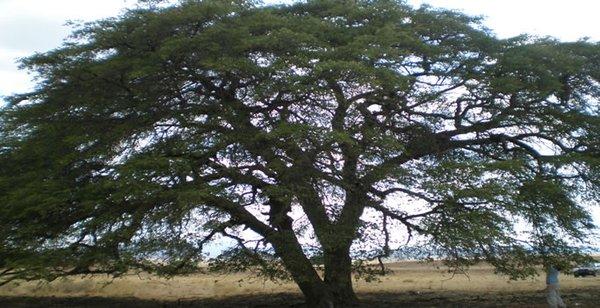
pixel 331 129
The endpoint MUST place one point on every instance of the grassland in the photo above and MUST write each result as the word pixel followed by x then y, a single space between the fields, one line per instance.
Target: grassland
pixel 409 284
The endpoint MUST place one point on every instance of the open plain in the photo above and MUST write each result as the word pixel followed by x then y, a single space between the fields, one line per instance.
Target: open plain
pixel 410 284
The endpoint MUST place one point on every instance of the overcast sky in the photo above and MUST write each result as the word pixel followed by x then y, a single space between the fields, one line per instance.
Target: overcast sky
pixel 28 26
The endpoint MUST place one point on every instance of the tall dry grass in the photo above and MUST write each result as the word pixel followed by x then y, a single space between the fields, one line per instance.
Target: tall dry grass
pixel 406 277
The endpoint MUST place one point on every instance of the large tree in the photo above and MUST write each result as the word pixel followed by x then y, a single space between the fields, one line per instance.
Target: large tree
pixel 327 129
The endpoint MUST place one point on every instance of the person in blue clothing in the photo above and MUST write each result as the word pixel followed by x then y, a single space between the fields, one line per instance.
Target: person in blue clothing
pixel 552 287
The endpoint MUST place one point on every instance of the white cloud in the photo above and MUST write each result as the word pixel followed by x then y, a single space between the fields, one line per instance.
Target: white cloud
pixel 28 26
pixel 566 20
pixel 31 33
pixel 12 80
pixel 64 9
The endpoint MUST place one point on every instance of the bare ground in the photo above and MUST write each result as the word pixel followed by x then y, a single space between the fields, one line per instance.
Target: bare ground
pixel 410 285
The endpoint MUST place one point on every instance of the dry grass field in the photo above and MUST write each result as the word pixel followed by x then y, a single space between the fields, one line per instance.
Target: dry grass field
pixel 410 284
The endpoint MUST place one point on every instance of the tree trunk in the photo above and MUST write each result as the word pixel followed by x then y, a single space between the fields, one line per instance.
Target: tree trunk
pixel 332 292
pixel 338 275
pixel 315 291
pixel 336 288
